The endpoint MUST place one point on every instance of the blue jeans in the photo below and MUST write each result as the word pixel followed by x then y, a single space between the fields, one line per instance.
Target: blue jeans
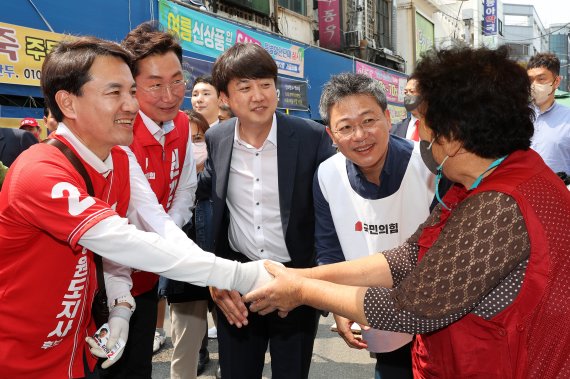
pixel 203 224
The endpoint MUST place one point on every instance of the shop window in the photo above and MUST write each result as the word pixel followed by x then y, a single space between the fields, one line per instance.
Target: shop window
pixel 298 6
pixel 261 6
pixel 383 11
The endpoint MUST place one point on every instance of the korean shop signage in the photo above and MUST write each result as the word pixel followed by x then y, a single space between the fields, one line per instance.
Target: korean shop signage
pixel 22 53
pixel 210 36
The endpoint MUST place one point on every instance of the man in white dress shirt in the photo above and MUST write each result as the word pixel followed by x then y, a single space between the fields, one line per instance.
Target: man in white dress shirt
pixel 259 175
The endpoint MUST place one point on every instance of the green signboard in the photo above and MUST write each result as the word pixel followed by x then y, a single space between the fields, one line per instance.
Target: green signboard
pixel 425 38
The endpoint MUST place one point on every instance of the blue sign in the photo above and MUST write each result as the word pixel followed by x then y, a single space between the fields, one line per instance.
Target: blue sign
pixel 291 93
pixel 490 18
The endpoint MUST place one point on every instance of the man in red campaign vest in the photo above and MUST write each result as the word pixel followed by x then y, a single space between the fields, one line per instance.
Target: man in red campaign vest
pixel 163 149
pixel 57 212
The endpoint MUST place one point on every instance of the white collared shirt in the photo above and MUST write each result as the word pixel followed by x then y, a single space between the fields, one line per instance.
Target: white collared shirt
pixel 159 133
pixel 102 167
pixel 255 228
pixel 183 202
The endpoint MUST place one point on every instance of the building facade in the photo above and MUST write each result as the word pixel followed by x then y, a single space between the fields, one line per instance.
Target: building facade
pixel 524 33
pixel 559 44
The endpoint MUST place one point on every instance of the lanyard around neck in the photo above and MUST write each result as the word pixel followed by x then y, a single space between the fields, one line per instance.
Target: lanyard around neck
pixel 494 164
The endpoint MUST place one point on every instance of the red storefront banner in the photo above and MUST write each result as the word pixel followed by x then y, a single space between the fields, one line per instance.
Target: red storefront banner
pixel 329 24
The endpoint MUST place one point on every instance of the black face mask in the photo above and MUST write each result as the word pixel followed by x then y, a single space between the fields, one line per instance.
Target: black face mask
pixel 427 156
pixel 411 102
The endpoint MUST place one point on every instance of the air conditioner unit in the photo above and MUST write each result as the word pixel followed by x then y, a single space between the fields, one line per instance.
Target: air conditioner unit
pixel 352 38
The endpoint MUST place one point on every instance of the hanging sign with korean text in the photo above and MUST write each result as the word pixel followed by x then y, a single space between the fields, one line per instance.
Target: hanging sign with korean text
pixel 329 24
pixel 490 18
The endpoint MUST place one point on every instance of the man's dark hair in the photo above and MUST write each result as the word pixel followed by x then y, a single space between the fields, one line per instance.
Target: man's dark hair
pixel 67 67
pixel 348 84
pixel 411 77
pixel 546 60
pixel 205 79
pixel 477 96
pixel 243 61
pixel 46 111
pixel 149 39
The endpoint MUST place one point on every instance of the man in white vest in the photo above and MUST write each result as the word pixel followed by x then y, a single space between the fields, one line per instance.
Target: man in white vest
pixel 368 198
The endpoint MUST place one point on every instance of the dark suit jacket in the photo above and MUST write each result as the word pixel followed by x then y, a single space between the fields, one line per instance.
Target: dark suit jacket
pixel 12 143
pixel 301 146
pixel 400 129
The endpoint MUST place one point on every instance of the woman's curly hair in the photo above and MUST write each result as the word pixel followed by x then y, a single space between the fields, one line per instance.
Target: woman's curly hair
pixel 477 96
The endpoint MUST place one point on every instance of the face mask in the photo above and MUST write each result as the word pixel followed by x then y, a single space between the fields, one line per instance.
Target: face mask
pixel 540 92
pixel 200 152
pixel 433 166
pixel 411 102
pixel 427 156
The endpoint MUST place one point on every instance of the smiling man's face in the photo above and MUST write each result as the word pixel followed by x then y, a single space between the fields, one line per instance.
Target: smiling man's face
pixel 162 71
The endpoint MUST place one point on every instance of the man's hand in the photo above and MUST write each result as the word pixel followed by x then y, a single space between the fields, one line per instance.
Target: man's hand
pixel 118 330
pixel 283 293
pixel 231 304
pixel 343 329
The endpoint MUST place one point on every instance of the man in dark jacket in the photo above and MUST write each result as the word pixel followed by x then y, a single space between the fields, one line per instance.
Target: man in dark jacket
pixel 12 143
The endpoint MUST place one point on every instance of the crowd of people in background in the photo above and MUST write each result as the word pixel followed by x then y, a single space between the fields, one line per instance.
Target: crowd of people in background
pixel 443 235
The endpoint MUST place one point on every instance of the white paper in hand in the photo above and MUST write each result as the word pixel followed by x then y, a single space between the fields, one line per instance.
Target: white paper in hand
pixel 101 336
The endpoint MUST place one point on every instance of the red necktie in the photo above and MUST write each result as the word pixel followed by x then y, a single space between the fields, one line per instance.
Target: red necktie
pixel 416 133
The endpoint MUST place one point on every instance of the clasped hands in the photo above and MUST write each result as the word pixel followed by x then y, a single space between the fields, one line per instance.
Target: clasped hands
pixel 283 294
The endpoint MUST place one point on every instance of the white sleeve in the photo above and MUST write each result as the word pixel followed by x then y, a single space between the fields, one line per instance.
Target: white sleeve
pixel 115 239
pixel 145 213
pixel 164 249
pixel 183 202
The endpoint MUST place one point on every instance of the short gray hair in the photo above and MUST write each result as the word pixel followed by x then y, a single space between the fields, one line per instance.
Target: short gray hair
pixel 348 84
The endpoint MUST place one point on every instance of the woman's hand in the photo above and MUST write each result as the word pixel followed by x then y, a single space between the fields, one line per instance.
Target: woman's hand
pixel 343 326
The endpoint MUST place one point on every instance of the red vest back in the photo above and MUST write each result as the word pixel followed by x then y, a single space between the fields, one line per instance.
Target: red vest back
pixel 529 338
pixel 162 168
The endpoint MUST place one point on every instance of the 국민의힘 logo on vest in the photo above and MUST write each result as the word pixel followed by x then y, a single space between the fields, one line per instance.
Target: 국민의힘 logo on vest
pixel 376 229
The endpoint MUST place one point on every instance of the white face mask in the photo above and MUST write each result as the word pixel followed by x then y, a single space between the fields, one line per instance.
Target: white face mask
pixel 541 92
pixel 200 152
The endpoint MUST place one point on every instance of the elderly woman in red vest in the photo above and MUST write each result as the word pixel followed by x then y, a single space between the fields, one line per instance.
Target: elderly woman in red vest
pixel 484 282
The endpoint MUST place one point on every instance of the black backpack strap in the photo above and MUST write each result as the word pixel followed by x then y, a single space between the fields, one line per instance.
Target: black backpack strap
pixel 72 158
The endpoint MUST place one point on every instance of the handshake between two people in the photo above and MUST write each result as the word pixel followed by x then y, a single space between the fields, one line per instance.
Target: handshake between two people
pixel 267 285
pixel 281 292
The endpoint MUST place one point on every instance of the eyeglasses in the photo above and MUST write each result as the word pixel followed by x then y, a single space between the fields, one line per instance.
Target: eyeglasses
pixel 368 125
pixel 158 90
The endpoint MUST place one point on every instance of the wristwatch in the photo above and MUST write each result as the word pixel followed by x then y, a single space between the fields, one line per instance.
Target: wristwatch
pixel 124 299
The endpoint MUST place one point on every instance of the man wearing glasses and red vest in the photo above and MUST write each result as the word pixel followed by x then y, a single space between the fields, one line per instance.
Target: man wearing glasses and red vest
pixel 163 149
